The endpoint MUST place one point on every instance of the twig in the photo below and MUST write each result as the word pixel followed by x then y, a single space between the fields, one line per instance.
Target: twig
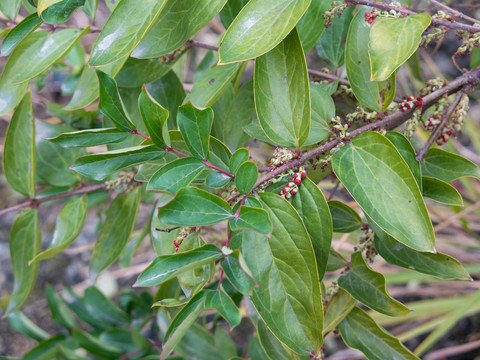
pixel 455 217
pixel 436 22
pixel 453 350
pixel 168 230
pixel 436 133
pixel 453 11
pixel 332 193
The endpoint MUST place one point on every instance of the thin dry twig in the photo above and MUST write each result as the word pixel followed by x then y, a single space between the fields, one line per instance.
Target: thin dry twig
pixel 453 350
pixel 454 12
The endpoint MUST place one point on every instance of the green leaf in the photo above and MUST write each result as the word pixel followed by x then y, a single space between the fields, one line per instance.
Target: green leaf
pixel 195 125
pixel 68 226
pixel 86 91
pixel 10 8
pixel 230 11
pixel 238 158
pixel 119 223
pixel 252 219
pixel 11 94
pixel 90 8
pixel 259 27
pixel 103 309
pixel 380 181
pixel 285 269
pixel 42 5
pixel 393 41
pixel 439 265
pixel 19 32
pixel 369 287
pixel 217 179
pixel 211 84
pixel 90 137
pixel 46 350
pixel 331 45
pixel 46 48
pixel 95 345
pixel 60 313
pixel 100 166
pixel 182 322
pixel 25 243
pixel 357 64
pixel 224 304
pixel 313 210
pixel 345 219
pixel 19 322
pixel 178 22
pixel 168 92
pixel 475 58
pixel 338 307
pixel 335 261
pixel 155 118
pixel 282 93
pixel 237 271
pixel 19 149
pixel 61 12
pixel 225 344
pixel 311 25
pixel 323 109
pixel 447 166
pixel 359 331
pixel 255 350
pixel 271 345
pixel 441 191
pixel 137 72
pixel 111 104
pixel 246 176
pixel 176 175
pixel 124 30
pixel 407 151
pixel 167 267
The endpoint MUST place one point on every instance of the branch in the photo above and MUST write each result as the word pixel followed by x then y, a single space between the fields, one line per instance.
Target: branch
pixel 437 22
pixel 35 202
pixel 436 133
pixel 389 122
pixel 454 12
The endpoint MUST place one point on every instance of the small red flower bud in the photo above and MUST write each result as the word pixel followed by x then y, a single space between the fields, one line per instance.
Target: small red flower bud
pixel 295 175
pixel 297 181
pixel 293 191
pixel 303 175
pixel 291 184
pixel 284 190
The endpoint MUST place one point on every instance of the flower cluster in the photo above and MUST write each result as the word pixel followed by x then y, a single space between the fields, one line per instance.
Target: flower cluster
pixel 469 41
pixel 125 182
pixel 410 102
pixel 370 16
pixel 292 187
pixel 182 235
pixel 340 129
pixel 281 156
pixel 360 114
pixel 432 85
pixel 337 8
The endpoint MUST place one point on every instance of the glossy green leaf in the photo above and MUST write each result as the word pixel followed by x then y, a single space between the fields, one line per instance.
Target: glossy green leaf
pixel 246 176
pixel 331 45
pixel 90 8
pixel 119 223
pixel 238 158
pixel 255 350
pixel 252 219
pixel 25 243
pixel 42 5
pixel 282 93
pixel 285 269
pixel 88 314
pixel 46 350
pixel 360 332
pixel 407 151
pixel 111 104
pixel 61 11
pixel 175 175
pixel 439 265
pixel 137 72
pixel 178 22
pixel 338 307
pixel 237 271
pixel 166 267
pixel 447 166
pixel 313 209
pixel 259 27
pixel 323 109
pixel 392 41
pixel 357 64
pixel 475 58
pixel 19 32
pixel 86 91
pixel 69 224
pixel 335 261
pixel 99 166
pixel 311 25
pixel 345 219
pixel 195 125
pixel 103 309
pixel 95 346
pixel 11 94
pixel 224 304
pixel 155 118
pixel 168 91
pixel 19 149
pixel 46 48
pixel 211 84
pixel 90 137
pixel 10 8
pixel 19 322
pixel 441 191
pixel 53 161
pixel 230 11
pixel 217 179
pixel 182 322
pixel 380 181
pixel 369 287
pixel 271 345
pixel 60 313
pixel 124 30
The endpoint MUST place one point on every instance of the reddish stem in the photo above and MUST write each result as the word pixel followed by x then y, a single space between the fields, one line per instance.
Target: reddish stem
pixel 135 132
